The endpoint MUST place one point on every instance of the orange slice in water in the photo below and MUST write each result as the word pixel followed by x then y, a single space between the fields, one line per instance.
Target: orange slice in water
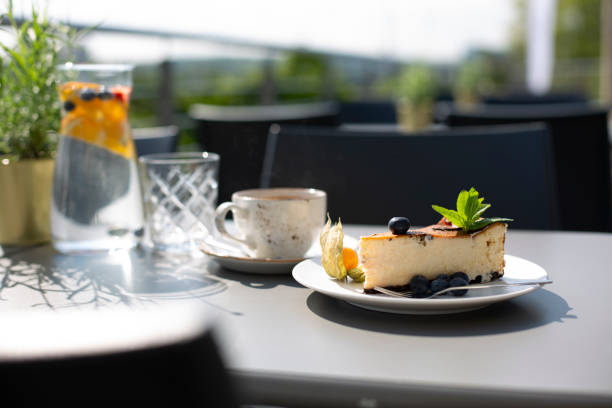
pixel 102 122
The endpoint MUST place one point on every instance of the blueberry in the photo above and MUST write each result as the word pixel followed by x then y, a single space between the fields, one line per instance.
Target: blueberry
pixel 104 95
pixel 69 106
pixel 87 94
pixel 418 280
pixel 419 285
pixel 399 225
pixel 461 275
pixel 458 282
pixel 438 285
pixel 443 276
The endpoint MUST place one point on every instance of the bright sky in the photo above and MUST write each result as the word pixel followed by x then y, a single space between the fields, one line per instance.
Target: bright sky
pixel 433 30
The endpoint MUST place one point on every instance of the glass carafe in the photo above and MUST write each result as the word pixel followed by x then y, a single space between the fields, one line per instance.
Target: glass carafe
pixel 96 203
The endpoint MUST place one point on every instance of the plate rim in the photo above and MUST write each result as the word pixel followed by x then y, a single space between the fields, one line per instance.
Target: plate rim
pixel 207 249
pixel 418 305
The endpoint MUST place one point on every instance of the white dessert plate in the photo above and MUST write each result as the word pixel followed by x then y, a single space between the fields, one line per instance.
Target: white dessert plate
pixel 311 274
pixel 233 257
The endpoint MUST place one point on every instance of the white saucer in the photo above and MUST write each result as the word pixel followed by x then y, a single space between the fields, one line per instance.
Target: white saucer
pixel 231 256
pixel 311 274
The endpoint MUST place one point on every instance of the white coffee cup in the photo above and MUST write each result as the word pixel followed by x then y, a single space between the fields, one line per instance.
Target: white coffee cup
pixel 275 222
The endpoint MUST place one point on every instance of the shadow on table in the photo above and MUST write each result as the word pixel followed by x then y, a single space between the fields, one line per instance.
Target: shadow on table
pixel 122 277
pixel 253 280
pixel 535 309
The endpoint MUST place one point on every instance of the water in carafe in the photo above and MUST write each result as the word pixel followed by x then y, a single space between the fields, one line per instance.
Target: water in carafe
pixel 96 200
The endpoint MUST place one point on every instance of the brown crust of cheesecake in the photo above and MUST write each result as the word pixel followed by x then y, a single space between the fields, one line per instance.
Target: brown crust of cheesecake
pixel 443 229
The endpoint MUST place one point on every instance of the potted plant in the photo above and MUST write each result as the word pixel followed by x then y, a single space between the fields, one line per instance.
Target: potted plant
pixel 416 91
pixel 29 118
pixel 478 76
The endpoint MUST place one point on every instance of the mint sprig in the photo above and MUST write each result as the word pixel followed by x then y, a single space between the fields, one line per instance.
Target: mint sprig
pixel 468 215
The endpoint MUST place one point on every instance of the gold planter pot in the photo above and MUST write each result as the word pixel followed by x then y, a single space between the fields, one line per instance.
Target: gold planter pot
pixel 25 198
pixel 413 117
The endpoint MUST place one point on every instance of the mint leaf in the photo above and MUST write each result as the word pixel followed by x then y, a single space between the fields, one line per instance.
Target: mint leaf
pixel 451 215
pixel 486 221
pixel 470 208
pixel 478 213
pixel 472 205
pixel 462 200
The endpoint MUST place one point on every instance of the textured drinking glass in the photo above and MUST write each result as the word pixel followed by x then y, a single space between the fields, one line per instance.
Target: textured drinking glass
pixel 96 203
pixel 180 196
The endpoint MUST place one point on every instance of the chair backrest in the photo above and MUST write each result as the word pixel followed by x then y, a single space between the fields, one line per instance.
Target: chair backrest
pixel 526 98
pixel 239 134
pixel 114 357
pixel 371 177
pixel 581 155
pixel 162 139
pixel 368 112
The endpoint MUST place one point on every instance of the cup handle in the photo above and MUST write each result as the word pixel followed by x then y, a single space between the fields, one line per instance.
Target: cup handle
pixel 220 214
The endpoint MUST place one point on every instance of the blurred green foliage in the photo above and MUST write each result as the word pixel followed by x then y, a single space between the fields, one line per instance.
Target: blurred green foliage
pixel 29 104
pixel 577 44
pixel 300 76
pixel 417 84
pixel 297 76
pixel 518 33
pixel 225 89
pixel 480 75
pixel 306 76
pixel 578 29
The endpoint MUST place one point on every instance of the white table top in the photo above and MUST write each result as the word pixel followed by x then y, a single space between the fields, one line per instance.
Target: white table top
pixel 286 344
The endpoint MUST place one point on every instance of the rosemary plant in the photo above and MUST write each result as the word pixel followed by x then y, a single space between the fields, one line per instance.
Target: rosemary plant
pixel 29 104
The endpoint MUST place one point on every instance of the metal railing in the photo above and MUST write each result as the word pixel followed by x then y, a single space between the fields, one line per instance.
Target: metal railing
pixel 164 94
pixel 368 68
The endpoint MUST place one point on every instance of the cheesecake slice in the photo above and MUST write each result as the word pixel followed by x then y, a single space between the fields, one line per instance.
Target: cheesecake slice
pixel 391 260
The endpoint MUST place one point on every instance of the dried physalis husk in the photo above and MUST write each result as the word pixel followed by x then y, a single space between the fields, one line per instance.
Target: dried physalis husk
pixel 331 239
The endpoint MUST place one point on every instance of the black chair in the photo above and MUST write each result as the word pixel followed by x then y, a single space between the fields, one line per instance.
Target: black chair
pixel 239 134
pixel 581 155
pixel 368 112
pixel 152 140
pixel 78 359
pixel 527 98
pixel 371 177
